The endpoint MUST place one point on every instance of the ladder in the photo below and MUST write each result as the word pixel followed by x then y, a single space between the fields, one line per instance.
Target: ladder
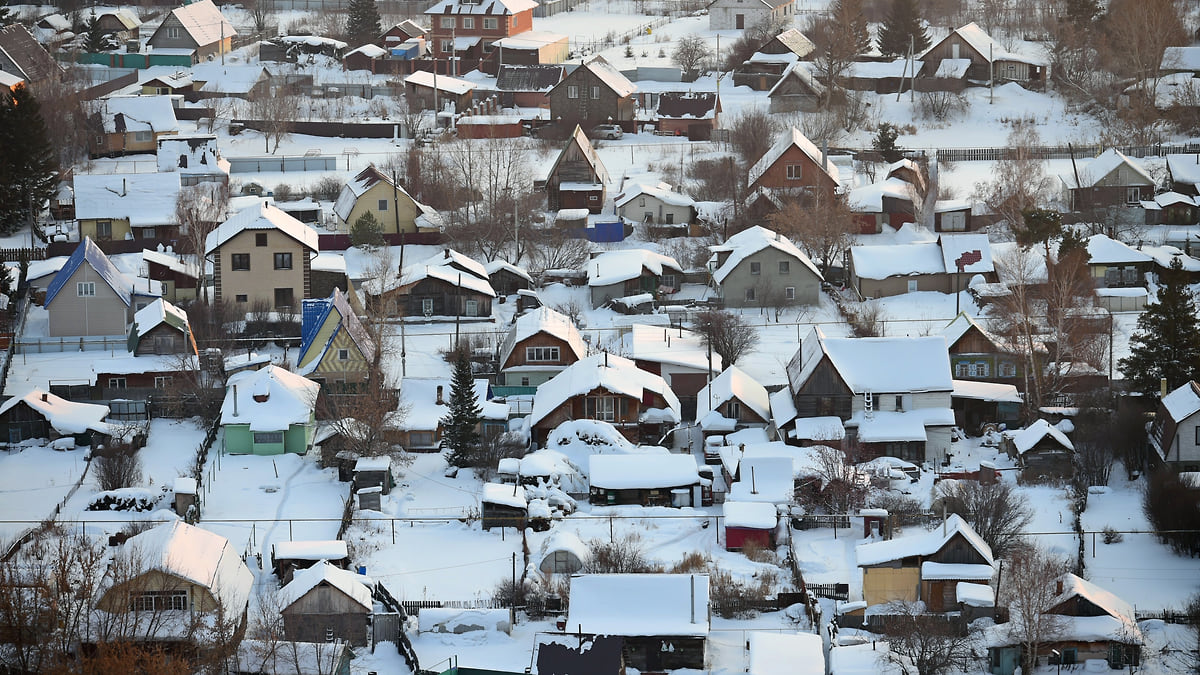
pixel 868 405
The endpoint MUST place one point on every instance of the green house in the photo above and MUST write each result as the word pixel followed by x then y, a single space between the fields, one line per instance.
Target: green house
pixel 269 412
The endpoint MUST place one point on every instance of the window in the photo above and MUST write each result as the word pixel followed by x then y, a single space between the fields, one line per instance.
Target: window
pixel 670 217
pixel 668 280
pixel 239 262
pixel 490 24
pixel 383 204
pixel 472 308
pixel 641 202
pixel 1198 434
pixel 241 297
pixel 593 198
pixel 104 229
pixel 427 306
pixel 982 369
pixel 795 171
pixel 420 439
pixel 468 22
pixel 264 437
pixel 164 344
pixel 157 601
pixel 541 353
pixel 514 21
pixel 173 32
pixel 116 383
pixel 143 136
pixel 260 238
pixel 789 293
pixel 446 22
pixel 1007 369
pixel 447 46
pixel 735 410
pixel 283 297
pixel 912 285
pixel 85 289
pixel 1133 195
pixel 755 268
pixel 595 92
pixel 961 369
pixel 600 408
pixel 572 91
pixel 750 294
pixel 899 402
pixel 163 381
pixel 283 261
pixel 343 355
pixel 524 381
pixel 785 267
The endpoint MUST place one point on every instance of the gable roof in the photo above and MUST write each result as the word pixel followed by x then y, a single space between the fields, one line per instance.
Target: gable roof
pixel 679 347
pixel 499 265
pixel 540 77
pixel 798 71
pixel 158 312
pixel 1025 439
pixel 315 313
pixel 986 47
pixel 700 105
pixel 1183 402
pixel 171 261
pixel 795 41
pixel 609 371
pixel 354 188
pixel 925 544
pixel 612 267
pixel 733 382
pixel 609 76
pixel 1099 168
pixel 543 320
pixel 303 581
pixel 32 61
pixel 123 114
pixel 876 364
pixel 792 137
pixel 450 258
pixel 639 604
pixel 65 417
pixel 966 246
pixel 290 399
pixel 203 22
pixel 1104 250
pixel 197 556
pixel 752 240
pixel 961 325
pixel 262 216
pixel 580 140
pixel 1108 602
pixel 491 7
pixel 144 199
pixel 87 251
pixel 662 191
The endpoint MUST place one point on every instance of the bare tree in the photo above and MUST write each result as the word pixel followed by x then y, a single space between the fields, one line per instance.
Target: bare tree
pixel 994 510
pixel 199 209
pixel 276 112
pixel 553 248
pixel 727 334
pixel 690 53
pixel 1138 32
pixel 262 15
pixel 752 132
pixel 839 489
pixel 925 644
pixel 823 229
pixel 1028 591
pixel 1020 182
pixel 117 468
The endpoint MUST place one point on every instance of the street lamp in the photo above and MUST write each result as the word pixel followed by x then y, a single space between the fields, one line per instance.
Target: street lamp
pixel 1058 656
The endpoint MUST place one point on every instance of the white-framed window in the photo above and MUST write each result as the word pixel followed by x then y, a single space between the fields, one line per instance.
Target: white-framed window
pixel 143 136
pixel 785 267
pixel 490 23
pixel 472 308
pixel 116 383
pixel 446 22
pixel 750 296
pixel 343 355
pixel 383 204
pixel 163 381
pixel 912 285
pixel 668 280
pixel 157 601
pixel 468 22
pixel 572 91
pixel 961 369
pixel 268 437
pixel 542 354
pixel 795 171
pixel 755 268
pixel 427 305
pixel 447 46
pixel 595 92
pixel 1133 195
pixel 602 408
pixel 1007 369
pixel 85 289
pixel 173 32
pixel 789 293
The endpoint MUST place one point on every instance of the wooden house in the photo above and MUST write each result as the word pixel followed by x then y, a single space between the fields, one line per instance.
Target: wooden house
pixel 1175 433
pixel 503 506
pixel 199 27
pixel 926 566
pixel 577 179
pixel 688 113
pixel 433 290
pixel 732 400
pixel 335 347
pixel 749 523
pixel 178 275
pixel 1110 180
pixel 976 353
pixel 374 192
pixel 656 205
pixel 630 272
pixel 324 603
pixel 681 357
pixel 1115 264
pixel 402 32
pixel 643 480
pixel 609 388
pixel 527 86
pixel 163 329
pixel 115 207
pixel 269 411
pixel 22 57
pixel 794 167
pixel 434 92
pixel 766 65
pixel 289 556
pixel 593 93
pixel 122 125
pixel 796 90
pixel 120 22
pixel 662 619
pixel 1041 450
pixel 989 60
pixel 540 345
pixel 507 278
pixel 39 414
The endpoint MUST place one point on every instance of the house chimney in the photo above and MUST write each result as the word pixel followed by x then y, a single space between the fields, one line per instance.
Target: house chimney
pixel 1058 586
pixel 45 397
pixel 235 410
pixel 123 187
pixel 693 603
pixel 439 400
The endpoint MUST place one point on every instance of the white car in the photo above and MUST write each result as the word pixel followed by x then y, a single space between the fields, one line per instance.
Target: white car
pixel 608 131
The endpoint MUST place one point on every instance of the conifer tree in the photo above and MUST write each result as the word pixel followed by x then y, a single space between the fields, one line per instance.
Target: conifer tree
pixel 902 23
pixel 363 24
pixel 849 13
pixel 460 424
pixel 6 15
pixel 1167 341
pixel 28 166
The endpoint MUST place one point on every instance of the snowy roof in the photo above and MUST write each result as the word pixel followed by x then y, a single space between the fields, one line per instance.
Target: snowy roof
pixel 958 327
pixel 204 22
pixel 65 417
pixel 1073 586
pixel 952 68
pixel 785 654
pixel 580 140
pixel 123 114
pixel 881 261
pixel 880 70
pixel 975 595
pixel 639 604
pixel 787 140
pixel 783 408
pixel 988 48
pixel 885 426
pixel 290 399
pixel 332 549
pixel 765 478
pixel 1103 250
pixel 561 539
pixel 869 198
pixel 924 544
pixel 805 461
pixel 613 373
pixel 1182 402
pixel 613 267
pixel 159 311
pixel 675 346
pixel 171 261
pixel 1181 58
pixel 754 515
pixel 495 7
pixel 642 471
pixel 419 395
pixel 530 39
pixel 414 273
pixel 369 50
pixel 661 191
pixel 313 41
pixel 973 249
pixel 197 556
pixel 543 320
pixel 825 428
pixel 986 391
pixel 956 571
pixel 345 581
pixel 190 154
pixel 752 240
pixel 264 216
pixel 497 265
pixel 1108 161
pixel 145 199
pixel 882 364
pixel 452 258
pixel 733 382
pixel 1185 168
pixel 89 252
pixel 504 495
pixel 610 76
pixel 229 78
pixel 796 69
pixel 1025 439
pixel 453 85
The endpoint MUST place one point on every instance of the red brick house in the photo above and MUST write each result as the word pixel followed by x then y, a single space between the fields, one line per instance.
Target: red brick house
pixel 795 166
pixel 687 113
pixel 467 29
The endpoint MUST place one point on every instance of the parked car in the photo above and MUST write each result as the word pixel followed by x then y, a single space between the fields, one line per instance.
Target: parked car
pixel 607 131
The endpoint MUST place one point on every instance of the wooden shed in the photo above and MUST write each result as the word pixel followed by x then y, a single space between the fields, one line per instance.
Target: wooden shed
pixel 750 523
pixel 374 472
pixel 503 506
pixel 325 603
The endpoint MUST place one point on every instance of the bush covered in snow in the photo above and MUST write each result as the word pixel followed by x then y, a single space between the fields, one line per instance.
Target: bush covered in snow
pixel 125 499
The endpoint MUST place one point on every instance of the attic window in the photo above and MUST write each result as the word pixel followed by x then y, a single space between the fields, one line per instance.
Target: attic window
pixel 260 238
pixel 343 355
pixel 157 601
pixel 86 289
pixel 173 32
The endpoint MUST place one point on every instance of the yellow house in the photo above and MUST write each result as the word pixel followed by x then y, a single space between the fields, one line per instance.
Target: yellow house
pixel 126 206
pixel 335 347
pixel 122 125
pixel 262 256
pixel 372 191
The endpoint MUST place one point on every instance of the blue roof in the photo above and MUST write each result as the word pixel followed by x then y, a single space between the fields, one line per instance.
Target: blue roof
pixel 313 313
pixel 89 251
pixel 316 313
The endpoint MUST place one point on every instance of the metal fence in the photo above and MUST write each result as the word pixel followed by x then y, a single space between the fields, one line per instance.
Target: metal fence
pixel 71 344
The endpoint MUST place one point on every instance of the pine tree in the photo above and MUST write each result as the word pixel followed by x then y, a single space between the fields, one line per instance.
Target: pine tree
pixel 849 15
pixel 28 166
pixel 1167 341
pixel 6 15
pixel 902 23
pixel 94 36
pixel 363 24
pixel 460 424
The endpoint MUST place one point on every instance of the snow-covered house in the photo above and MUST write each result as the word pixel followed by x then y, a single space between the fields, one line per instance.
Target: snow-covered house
pixel 425 402
pixel 609 388
pixel 503 506
pixel 325 602
pixel 679 356
pixel 976 353
pixel 944 265
pixel 199 27
pixel 577 179
pixel 795 167
pixel 655 205
pixel 163 329
pixel 733 400
pixel 989 59
pixel 662 619
pixel 373 192
pixel 886 202
pixel 172 574
pixel 759 267
pixel 892 394
pixel 796 89
pixel 644 479
pixel 540 344
pixel 1041 450
pixel 629 272
pixel 195 157
pixel 507 278
pixel 926 566
pixel 123 125
pixel 269 412
pixel 736 15
pixel 90 296
pixel 431 91
pixel 425 290
pixel 262 255
pixel 747 522
pixel 1114 264
pixel 178 274
pixel 593 93
pixel 1183 171
pixel 289 556
pixel 688 113
pixel 126 206
pixel 335 348
pixel 1084 623
pixel 39 414
pixel 121 22
pixel 1175 433
pixel 1109 180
